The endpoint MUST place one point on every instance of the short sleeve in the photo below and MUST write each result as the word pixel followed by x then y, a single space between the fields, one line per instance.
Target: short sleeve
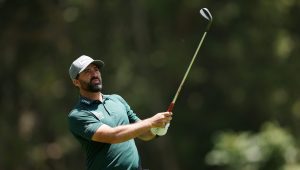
pixel 83 124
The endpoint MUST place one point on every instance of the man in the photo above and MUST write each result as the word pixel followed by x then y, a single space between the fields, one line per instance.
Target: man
pixel 104 124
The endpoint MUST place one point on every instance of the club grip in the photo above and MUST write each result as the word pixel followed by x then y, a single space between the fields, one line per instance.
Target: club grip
pixel 170 108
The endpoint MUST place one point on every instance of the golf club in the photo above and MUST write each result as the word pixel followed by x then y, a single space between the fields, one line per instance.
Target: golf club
pixel 206 14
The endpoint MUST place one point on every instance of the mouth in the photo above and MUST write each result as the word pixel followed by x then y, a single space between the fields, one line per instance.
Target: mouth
pixel 95 81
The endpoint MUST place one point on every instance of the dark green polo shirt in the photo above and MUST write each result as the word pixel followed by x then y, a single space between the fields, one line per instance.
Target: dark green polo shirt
pixel 88 116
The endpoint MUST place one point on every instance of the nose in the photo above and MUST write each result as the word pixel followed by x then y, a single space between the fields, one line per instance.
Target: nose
pixel 95 73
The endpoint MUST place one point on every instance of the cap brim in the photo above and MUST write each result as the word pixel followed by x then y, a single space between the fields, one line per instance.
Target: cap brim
pixel 98 63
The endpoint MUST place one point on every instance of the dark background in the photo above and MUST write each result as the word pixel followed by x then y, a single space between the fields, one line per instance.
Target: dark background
pixel 246 74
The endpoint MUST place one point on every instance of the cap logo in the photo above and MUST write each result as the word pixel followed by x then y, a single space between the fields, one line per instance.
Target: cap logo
pixel 82 62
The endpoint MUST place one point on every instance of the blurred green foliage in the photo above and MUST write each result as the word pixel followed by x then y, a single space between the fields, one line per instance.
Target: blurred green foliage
pixel 246 73
pixel 271 148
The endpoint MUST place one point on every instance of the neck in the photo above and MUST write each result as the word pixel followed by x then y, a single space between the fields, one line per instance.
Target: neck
pixel 92 95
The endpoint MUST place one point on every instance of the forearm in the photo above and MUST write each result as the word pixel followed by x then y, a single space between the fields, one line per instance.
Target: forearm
pixel 121 133
pixel 147 136
pixel 141 129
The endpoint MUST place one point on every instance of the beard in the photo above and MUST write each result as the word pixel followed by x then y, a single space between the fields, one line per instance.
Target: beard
pixel 90 86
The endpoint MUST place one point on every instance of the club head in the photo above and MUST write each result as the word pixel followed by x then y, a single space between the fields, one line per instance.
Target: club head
pixel 206 14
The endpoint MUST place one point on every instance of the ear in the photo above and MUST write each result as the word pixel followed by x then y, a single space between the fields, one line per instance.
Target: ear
pixel 76 83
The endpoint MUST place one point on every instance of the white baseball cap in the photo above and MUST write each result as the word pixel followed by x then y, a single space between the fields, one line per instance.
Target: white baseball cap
pixel 81 63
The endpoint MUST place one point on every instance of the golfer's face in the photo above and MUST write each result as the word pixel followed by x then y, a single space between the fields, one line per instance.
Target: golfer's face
pixel 90 79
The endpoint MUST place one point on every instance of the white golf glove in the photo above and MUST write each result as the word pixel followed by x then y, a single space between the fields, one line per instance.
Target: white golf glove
pixel 160 131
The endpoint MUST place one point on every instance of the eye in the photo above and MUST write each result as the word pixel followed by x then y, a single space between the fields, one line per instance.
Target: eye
pixel 96 68
pixel 87 70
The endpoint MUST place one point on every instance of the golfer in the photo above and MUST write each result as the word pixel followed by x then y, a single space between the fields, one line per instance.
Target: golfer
pixel 104 124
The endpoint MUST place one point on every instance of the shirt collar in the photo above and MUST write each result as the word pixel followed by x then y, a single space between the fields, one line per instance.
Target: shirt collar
pixel 88 101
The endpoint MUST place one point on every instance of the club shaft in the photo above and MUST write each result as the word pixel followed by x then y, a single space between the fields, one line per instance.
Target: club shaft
pixel 170 108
